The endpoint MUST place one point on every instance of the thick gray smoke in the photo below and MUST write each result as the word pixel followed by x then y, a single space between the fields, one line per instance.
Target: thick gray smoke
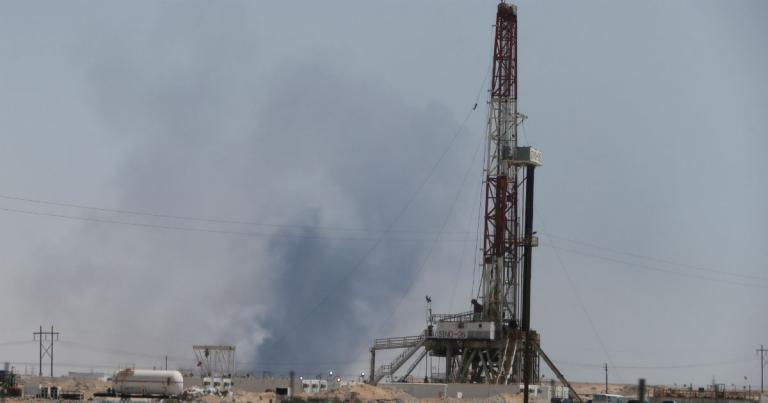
pixel 375 150
pixel 310 157
pixel 324 152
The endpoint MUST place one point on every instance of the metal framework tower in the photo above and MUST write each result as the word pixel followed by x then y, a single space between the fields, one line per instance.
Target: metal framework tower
pixel 45 350
pixel 215 361
pixel 501 256
pixel 492 343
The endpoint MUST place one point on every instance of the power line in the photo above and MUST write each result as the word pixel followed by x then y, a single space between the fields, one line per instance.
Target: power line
pixel 341 362
pixel 656 259
pixel 659 269
pixel 680 366
pixel 119 352
pixel 308 364
pixel 270 235
pixel 127 353
pixel 177 217
pixel 200 219
pixel 657 367
pixel 16 343
pixel 46 349
pixel 762 350
pixel 273 235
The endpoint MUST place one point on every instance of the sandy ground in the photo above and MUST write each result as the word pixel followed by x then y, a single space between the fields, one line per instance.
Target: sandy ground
pixel 243 397
pixel 588 389
pixel 368 393
pixel 68 384
pixel 357 392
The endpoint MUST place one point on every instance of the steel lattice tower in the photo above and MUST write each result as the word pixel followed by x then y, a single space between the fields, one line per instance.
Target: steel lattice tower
pixel 501 223
pixel 492 343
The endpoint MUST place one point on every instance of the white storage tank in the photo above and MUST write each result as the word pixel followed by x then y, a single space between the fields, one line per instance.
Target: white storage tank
pixel 146 382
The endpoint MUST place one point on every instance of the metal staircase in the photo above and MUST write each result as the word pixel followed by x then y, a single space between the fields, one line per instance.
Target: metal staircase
pixel 413 365
pixel 412 344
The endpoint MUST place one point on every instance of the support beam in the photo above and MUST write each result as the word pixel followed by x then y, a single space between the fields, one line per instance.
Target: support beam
pixel 527 252
pixel 373 366
pixel 466 360
pixel 413 365
pixel 559 374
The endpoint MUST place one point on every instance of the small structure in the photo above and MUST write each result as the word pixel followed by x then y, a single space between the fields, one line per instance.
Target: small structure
pixel 217 367
pixel 313 386
pixel 9 385
pixel 215 361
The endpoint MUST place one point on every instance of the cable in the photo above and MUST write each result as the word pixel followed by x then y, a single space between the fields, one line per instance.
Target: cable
pixel 436 239
pixel 522 129
pixel 127 353
pixel 378 241
pixel 704 365
pixel 183 217
pixel 655 259
pixel 105 350
pixel 299 226
pixel 437 235
pixel 198 219
pixel 475 263
pixel 658 269
pixel 252 364
pixel 271 235
pixel 456 275
pixel 203 219
pixel 423 264
pixel 464 245
pixel 16 343
pixel 450 210
pixel 579 299
pixel 658 367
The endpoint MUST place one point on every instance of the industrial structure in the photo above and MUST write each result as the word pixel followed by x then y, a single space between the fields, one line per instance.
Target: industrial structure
pixel 146 383
pixel 215 361
pixel 46 340
pixel 9 382
pixel 493 342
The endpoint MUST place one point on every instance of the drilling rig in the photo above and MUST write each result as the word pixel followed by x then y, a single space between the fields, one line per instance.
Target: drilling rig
pixel 493 342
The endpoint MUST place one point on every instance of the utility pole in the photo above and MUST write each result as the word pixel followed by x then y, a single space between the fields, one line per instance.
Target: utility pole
pixel 606 378
pixel 762 352
pixel 46 350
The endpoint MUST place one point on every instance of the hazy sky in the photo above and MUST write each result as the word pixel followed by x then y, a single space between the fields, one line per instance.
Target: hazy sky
pixel 331 148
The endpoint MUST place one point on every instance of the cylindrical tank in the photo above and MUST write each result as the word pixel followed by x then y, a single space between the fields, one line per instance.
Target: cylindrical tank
pixel 147 382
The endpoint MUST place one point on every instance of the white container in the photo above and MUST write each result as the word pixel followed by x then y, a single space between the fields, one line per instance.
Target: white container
pixel 146 382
